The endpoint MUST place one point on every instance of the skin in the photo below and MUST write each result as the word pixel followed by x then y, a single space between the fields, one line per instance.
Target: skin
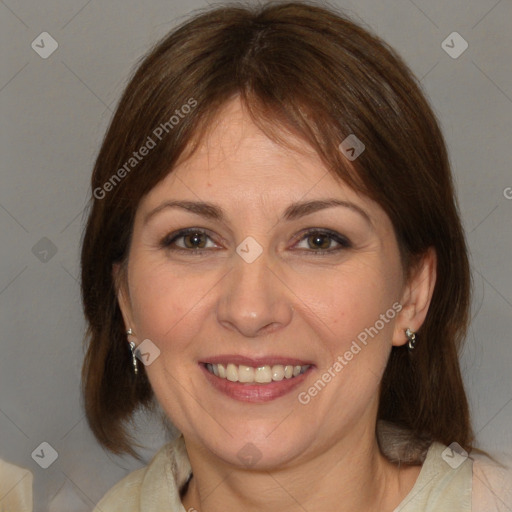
pixel 291 302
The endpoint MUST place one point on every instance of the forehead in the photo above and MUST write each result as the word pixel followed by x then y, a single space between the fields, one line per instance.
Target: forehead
pixel 243 172
pixel 235 156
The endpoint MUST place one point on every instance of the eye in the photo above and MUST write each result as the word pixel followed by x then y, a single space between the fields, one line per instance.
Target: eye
pixel 320 241
pixel 194 239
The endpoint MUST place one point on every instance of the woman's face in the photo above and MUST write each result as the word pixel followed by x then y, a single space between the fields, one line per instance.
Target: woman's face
pixel 263 280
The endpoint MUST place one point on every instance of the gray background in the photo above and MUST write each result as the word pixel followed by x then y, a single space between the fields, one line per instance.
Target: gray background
pixel 54 114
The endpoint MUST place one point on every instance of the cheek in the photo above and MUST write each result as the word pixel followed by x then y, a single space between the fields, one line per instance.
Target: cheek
pixel 165 302
pixel 350 300
pixel 352 316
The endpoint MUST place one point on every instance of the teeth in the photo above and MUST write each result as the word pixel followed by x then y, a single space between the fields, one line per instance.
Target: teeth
pixel 261 374
pixel 246 373
pixel 231 372
pixel 278 372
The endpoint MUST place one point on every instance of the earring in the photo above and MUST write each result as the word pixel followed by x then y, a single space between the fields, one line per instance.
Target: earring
pixel 411 336
pixel 129 332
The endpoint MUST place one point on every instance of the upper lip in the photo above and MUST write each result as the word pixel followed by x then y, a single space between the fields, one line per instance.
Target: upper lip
pixel 256 361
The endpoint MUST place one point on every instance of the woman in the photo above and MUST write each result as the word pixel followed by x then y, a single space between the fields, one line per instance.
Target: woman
pixel 274 258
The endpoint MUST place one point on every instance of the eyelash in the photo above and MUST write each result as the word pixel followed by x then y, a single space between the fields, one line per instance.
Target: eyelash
pixel 343 242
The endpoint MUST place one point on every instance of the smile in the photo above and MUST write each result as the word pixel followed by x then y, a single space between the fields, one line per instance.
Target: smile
pixel 264 374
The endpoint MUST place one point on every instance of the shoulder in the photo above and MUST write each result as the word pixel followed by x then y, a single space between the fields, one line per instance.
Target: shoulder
pixel 450 480
pixel 125 495
pixel 492 483
pixel 444 483
pixel 477 483
pixel 15 488
pixel 154 487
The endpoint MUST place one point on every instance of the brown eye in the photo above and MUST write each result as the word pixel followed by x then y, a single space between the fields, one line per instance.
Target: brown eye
pixel 319 241
pixel 195 240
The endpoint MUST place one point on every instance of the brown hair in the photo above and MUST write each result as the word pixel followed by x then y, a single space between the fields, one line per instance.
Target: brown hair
pixel 323 77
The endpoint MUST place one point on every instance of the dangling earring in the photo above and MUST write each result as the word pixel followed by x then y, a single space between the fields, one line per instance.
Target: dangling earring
pixel 411 336
pixel 129 332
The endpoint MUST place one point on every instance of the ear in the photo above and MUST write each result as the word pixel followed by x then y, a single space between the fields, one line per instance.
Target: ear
pixel 123 295
pixel 416 297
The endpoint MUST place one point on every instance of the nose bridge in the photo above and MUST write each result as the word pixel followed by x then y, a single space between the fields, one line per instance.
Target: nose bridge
pixel 253 299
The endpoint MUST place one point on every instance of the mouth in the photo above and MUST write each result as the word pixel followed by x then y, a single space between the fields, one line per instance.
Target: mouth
pixel 255 380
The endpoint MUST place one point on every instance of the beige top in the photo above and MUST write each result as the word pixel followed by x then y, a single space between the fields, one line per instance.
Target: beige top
pixel 460 485
pixel 15 488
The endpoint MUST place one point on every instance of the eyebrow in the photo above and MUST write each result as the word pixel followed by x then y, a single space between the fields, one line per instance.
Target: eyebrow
pixel 292 212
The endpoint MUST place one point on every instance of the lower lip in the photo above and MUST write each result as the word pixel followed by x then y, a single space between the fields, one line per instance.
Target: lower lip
pixel 256 393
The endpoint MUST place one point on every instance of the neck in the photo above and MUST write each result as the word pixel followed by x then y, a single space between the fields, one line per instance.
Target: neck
pixel 350 475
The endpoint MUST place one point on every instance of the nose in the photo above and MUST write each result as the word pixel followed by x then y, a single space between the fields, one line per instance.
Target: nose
pixel 254 301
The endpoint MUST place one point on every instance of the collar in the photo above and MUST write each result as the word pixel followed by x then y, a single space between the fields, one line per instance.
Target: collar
pixel 166 475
